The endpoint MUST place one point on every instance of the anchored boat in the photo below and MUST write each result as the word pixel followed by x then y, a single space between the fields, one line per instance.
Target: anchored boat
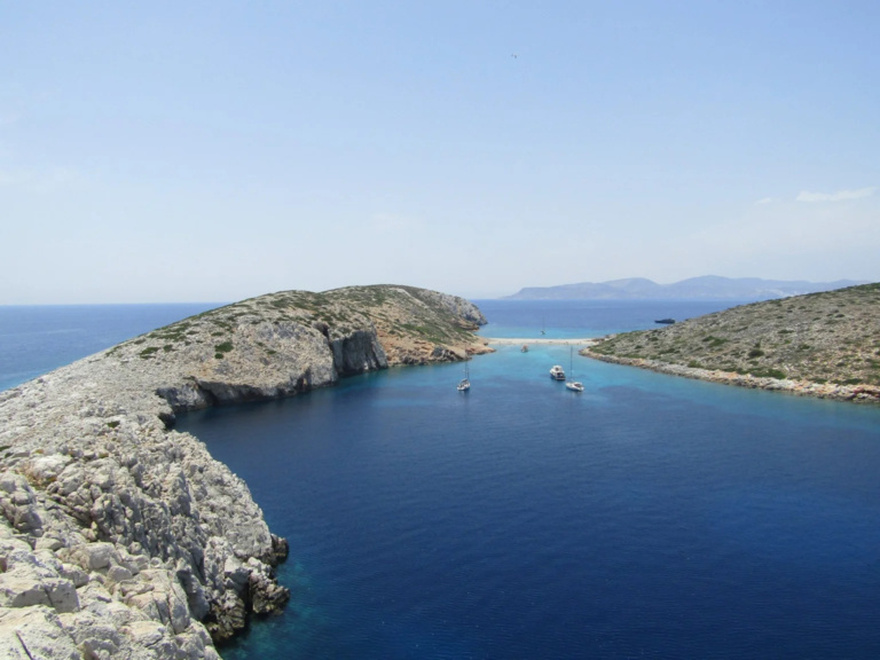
pixel 573 385
pixel 465 383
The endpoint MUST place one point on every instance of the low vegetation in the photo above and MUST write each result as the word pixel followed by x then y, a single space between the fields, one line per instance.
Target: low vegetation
pixel 830 337
pixel 409 322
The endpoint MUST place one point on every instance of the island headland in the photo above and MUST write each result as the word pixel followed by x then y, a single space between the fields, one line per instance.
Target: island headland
pixel 123 538
pixel 825 345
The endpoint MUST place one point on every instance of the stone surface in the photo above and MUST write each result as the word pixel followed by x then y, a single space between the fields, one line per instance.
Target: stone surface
pixel 120 537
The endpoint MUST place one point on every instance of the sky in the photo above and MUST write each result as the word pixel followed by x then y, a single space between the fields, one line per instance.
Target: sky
pixel 167 151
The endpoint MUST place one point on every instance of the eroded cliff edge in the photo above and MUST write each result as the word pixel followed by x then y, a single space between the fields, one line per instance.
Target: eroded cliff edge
pixel 120 537
pixel 824 345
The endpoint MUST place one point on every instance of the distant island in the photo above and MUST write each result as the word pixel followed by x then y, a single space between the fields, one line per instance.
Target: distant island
pixel 822 344
pixel 709 287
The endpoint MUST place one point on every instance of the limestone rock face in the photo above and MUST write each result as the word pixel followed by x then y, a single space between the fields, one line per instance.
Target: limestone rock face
pixel 120 537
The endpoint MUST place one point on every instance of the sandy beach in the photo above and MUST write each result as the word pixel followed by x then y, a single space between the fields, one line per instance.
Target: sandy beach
pixel 530 341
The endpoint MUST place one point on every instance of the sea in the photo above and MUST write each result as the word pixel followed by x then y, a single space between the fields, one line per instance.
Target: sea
pixel 34 339
pixel 648 517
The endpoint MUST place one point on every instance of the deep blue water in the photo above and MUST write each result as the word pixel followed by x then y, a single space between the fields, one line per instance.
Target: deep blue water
pixel 36 339
pixel 649 516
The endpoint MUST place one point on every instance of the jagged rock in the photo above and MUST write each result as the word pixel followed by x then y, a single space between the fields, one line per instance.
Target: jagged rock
pixel 266 594
pixel 120 537
pixel 280 550
pixel 34 632
pixel 228 615
pixel 18 504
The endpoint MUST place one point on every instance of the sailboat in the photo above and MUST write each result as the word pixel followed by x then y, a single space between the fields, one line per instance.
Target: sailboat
pixel 465 383
pixel 573 385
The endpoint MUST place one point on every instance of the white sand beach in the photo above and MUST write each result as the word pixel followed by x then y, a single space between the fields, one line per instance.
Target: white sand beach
pixel 530 341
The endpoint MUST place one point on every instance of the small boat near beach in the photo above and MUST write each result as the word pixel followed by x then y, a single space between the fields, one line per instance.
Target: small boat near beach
pixel 557 372
pixel 665 321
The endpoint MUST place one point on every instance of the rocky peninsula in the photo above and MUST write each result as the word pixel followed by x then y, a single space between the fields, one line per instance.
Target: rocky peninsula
pixel 123 538
pixel 824 345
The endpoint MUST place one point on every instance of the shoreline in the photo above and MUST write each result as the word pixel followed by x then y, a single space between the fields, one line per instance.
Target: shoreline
pixel 833 391
pixel 123 535
pixel 540 341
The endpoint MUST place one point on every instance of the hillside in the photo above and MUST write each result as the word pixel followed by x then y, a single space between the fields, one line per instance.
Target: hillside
pixel 709 287
pixel 120 537
pixel 822 344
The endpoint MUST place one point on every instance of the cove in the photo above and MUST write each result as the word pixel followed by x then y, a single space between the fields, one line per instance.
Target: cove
pixel 647 516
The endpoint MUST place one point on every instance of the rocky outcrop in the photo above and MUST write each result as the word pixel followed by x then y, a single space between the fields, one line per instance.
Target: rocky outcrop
pixel 823 344
pixel 856 393
pixel 417 326
pixel 120 537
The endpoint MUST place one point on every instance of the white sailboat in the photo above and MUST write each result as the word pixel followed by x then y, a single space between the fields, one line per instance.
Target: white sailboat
pixel 465 383
pixel 573 385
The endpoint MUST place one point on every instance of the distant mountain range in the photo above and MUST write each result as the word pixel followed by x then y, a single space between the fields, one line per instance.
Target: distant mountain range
pixel 709 287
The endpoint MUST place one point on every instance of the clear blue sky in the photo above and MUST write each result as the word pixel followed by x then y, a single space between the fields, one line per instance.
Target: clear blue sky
pixel 168 151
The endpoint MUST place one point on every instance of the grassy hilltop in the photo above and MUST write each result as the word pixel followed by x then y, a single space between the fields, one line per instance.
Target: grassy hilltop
pixel 830 338
pixel 413 325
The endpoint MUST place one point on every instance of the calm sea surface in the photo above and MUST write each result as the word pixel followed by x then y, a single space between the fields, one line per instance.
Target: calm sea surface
pixel 36 339
pixel 649 516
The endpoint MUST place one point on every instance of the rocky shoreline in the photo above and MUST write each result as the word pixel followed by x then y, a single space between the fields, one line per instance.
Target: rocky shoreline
pixel 123 538
pixel 822 345
pixel 856 393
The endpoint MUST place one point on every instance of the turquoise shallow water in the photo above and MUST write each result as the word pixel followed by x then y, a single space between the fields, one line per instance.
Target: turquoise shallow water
pixel 648 517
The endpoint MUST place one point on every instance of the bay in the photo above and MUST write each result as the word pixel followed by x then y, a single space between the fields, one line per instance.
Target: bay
pixel 650 516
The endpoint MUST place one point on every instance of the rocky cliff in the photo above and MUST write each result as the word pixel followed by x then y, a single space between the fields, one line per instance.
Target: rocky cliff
pixel 822 344
pixel 122 538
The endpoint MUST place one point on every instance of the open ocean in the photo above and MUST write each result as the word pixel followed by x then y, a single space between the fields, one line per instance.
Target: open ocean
pixel 35 339
pixel 650 516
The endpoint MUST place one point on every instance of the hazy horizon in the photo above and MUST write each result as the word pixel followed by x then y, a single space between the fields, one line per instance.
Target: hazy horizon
pixel 178 153
pixel 511 295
